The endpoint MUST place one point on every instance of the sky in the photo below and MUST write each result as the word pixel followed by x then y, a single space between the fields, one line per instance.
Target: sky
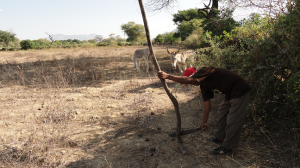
pixel 31 19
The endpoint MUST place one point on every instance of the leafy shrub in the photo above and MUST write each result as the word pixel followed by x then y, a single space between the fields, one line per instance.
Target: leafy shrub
pixel 27 44
pixel 222 21
pixel 159 38
pixel 101 44
pixel 266 52
pixel 113 43
pixel 88 45
pixel 194 40
pixel 169 38
pixel 187 27
pixel 122 43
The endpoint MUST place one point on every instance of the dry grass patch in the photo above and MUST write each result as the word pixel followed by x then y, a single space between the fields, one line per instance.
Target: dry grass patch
pixel 89 108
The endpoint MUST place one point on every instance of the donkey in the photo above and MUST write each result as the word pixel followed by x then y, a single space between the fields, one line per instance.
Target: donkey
pixel 181 59
pixel 140 54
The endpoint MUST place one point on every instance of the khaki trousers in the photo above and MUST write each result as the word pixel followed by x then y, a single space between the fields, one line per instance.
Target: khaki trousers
pixel 232 114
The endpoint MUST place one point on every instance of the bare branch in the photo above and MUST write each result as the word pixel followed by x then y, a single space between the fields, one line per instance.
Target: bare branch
pixel 100 38
pixel 51 38
pixel 203 12
pixel 208 11
pixel 269 7
pixel 158 5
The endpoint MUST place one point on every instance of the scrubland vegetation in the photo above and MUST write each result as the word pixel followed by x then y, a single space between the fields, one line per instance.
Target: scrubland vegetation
pixel 89 108
pixel 82 104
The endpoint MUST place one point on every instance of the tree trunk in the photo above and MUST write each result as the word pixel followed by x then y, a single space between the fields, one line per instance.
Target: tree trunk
pixel 173 99
pixel 215 4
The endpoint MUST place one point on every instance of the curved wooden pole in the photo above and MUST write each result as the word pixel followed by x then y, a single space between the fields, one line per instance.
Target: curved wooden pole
pixel 173 99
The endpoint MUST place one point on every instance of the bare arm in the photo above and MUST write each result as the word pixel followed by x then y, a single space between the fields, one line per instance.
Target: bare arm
pixel 206 110
pixel 178 79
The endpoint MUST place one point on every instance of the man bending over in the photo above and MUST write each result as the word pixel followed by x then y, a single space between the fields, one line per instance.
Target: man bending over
pixel 232 111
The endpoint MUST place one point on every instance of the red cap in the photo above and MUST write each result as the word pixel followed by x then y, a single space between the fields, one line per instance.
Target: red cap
pixel 189 71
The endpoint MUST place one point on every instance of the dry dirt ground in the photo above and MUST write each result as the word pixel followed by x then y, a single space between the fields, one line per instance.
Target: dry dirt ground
pixel 90 108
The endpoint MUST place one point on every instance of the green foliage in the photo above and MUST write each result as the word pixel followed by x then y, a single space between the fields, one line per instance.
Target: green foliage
pixel 14 44
pixel 101 44
pixel 41 43
pixel 27 44
pixel 187 21
pixel 120 39
pixel 113 40
pixel 135 32
pixel 110 41
pixel 187 27
pixel 222 21
pixel 190 20
pixel 7 37
pixel 194 40
pixel 159 38
pixel 186 15
pixel 57 43
pixel 265 51
pixel 93 41
pixel 77 41
pixel 169 38
pixel 293 92
pixel 88 45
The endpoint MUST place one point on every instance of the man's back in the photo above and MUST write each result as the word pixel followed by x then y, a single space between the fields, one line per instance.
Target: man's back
pixel 223 81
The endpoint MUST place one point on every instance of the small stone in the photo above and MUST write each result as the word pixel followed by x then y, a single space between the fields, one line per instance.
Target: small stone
pixel 152 149
pixel 147 139
pixel 158 128
pixel 111 106
pixel 72 144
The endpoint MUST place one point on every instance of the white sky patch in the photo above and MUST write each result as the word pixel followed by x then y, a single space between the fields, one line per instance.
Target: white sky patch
pixel 1 10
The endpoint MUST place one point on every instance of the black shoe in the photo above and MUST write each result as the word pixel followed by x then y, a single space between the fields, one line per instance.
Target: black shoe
pixel 216 140
pixel 221 151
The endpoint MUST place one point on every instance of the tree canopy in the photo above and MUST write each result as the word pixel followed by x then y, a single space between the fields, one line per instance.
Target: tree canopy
pixel 159 38
pixel 187 27
pixel 6 37
pixel 135 32
pixel 27 44
pixel 186 15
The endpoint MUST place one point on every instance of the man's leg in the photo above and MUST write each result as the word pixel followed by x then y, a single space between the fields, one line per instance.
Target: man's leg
pixel 235 121
pixel 220 134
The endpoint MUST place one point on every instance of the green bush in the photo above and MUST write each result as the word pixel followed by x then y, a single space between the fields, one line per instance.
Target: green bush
pixel 194 40
pixel 27 44
pixel 169 38
pixel 122 43
pixel 101 44
pixel 88 45
pixel 266 52
pixel 159 38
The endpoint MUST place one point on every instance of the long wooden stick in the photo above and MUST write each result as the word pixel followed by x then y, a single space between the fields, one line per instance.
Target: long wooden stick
pixel 173 99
